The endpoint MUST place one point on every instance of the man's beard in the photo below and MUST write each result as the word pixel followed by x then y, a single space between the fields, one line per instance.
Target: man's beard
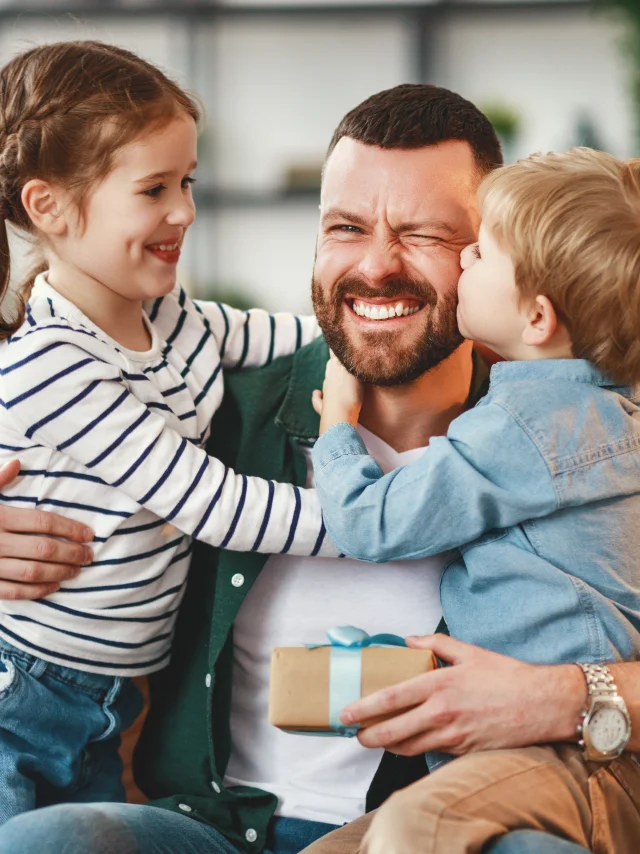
pixel 381 357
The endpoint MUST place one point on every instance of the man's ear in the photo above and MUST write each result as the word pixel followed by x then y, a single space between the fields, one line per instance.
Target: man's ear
pixel 541 323
pixel 42 202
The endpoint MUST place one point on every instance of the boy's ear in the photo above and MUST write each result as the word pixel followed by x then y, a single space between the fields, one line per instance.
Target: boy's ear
pixel 542 323
pixel 42 203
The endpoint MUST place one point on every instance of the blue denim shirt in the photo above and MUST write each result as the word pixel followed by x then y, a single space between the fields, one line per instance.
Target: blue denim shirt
pixel 538 490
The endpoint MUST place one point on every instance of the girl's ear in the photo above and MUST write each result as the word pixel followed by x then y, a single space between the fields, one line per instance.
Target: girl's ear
pixel 43 206
pixel 541 323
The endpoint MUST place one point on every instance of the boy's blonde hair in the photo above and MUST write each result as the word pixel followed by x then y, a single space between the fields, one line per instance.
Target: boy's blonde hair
pixel 571 224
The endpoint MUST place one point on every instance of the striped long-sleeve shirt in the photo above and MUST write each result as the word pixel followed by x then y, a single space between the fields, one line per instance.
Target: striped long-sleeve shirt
pixel 115 438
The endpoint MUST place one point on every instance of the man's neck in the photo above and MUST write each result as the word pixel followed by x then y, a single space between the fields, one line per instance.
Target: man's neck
pixel 407 416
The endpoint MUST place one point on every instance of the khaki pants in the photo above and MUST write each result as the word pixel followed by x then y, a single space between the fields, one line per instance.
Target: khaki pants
pixel 477 798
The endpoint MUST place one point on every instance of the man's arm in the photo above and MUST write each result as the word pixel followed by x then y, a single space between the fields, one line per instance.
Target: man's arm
pixel 485 701
pixel 38 550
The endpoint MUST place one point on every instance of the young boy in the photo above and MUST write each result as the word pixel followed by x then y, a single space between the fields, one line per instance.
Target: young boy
pixel 538 487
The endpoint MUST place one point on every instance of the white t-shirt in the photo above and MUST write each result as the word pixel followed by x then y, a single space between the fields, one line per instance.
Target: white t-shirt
pixel 294 601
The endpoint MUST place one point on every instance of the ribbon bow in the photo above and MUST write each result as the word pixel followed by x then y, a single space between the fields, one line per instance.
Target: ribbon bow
pixel 345 671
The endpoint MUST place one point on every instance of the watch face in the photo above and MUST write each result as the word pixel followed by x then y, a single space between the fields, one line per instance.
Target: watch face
pixel 607 729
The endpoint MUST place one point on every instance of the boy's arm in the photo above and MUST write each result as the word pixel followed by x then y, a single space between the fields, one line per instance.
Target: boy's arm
pixel 254 338
pixel 485 474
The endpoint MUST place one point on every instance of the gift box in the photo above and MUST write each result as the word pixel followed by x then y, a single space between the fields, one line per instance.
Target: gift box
pixel 311 685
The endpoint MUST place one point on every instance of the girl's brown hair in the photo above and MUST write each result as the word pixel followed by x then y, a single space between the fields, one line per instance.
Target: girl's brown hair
pixel 571 224
pixel 65 111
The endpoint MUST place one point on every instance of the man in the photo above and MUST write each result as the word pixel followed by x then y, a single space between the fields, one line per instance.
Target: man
pixel 398 205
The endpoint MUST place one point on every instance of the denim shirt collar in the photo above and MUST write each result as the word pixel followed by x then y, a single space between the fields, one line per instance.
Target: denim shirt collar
pixel 297 416
pixel 570 370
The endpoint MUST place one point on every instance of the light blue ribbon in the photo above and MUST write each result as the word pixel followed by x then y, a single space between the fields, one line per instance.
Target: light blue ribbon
pixel 345 671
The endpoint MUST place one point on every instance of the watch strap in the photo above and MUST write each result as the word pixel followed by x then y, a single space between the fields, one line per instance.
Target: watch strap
pixel 599 680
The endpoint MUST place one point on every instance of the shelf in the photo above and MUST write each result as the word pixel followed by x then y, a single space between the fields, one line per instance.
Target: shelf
pixel 197 9
pixel 208 199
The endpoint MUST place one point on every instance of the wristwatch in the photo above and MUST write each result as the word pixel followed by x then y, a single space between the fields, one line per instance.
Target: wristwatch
pixel 605 726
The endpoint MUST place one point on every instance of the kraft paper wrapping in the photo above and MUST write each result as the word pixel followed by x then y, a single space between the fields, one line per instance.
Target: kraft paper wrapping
pixel 299 691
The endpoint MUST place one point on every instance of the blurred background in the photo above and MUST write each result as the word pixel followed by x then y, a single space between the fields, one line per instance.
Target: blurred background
pixel 276 78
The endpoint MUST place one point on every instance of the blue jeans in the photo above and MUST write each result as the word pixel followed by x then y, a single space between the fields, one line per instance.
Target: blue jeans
pixel 533 842
pixel 132 829
pixel 59 733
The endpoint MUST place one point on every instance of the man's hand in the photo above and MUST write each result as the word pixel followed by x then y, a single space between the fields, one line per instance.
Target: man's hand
pixel 482 701
pixel 341 397
pixel 33 561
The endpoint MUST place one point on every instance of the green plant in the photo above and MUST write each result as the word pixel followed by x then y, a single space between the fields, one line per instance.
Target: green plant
pixel 227 294
pixel 629 13
pixel 504 119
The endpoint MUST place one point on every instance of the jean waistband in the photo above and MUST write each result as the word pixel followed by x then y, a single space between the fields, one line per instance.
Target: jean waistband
pixel 98 685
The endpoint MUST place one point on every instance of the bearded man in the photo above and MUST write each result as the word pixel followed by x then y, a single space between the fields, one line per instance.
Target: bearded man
pixel 398 205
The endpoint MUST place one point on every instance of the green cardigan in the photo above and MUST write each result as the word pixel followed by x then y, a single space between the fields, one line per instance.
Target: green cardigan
pixel 183 752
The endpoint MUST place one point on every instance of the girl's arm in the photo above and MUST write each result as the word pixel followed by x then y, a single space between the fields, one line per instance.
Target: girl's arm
pixel 82 409
pixel 254 338
pixel 485 474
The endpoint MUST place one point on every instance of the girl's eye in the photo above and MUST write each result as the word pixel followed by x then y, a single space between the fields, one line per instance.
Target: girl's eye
pixel 154 192
pixel 475 249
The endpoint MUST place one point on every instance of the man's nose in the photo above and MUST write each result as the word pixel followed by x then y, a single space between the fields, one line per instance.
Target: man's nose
pixel 382 260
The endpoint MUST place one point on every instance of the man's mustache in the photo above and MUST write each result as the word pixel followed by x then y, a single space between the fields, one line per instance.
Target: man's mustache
pixel 353 286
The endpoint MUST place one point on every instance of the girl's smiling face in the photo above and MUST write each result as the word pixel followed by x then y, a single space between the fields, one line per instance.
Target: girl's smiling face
pixel 131 229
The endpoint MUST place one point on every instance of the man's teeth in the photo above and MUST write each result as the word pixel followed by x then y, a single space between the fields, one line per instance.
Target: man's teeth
pixel 166 247
pixel 383 312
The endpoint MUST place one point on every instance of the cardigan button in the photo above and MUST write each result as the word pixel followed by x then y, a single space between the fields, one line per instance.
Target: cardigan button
pixel 207 680
pixel 215 787
pixel 251 835
pixel 184 807
pixel 238 579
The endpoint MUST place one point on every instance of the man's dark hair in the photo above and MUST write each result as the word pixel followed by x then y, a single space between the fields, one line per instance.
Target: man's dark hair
pixel 414 115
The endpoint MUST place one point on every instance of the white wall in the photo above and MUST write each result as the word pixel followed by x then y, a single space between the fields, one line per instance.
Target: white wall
pixel 281 86
pixel 551 65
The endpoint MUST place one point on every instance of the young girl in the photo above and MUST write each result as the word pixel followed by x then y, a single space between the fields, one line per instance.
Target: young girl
pixel 539 488
pixel 109 378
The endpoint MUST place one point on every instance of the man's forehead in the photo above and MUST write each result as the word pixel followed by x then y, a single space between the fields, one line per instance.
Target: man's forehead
pixel 361 178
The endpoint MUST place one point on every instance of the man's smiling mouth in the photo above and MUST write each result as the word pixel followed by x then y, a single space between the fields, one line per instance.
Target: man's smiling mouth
pixel 384 310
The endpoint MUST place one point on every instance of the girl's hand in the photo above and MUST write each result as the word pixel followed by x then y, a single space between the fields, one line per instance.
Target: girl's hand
pixel 340 398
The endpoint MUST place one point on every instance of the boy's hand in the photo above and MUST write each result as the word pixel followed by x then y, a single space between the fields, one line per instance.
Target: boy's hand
pixel 340 398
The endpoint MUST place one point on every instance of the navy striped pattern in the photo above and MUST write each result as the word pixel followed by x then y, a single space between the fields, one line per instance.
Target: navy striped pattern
pixel 116 440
